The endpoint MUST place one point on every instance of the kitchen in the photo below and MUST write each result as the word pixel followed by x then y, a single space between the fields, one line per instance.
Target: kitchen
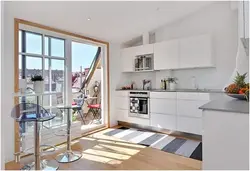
pixel 175 84
pixel 202 65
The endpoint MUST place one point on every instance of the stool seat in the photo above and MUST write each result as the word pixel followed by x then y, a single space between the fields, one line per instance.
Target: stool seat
pixel 96 106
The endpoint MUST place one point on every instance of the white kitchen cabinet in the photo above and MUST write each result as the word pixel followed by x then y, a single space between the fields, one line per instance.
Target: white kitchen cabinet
pixel 189 125
pixel 190 108
pixel 128 56
pixel 163 121
pixel 122 115
pixel 188 113
pixel 163 95
pixel 225 141
pixel 144 49
pixel 243 19
pixel 195 52
pixel 166 55
pixel 193 96
pixel 127 59
pixel 163 106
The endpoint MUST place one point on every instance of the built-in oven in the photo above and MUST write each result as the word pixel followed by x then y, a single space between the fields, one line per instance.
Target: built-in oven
pixel 139 104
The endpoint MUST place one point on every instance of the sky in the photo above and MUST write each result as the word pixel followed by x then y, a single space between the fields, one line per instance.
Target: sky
pixel 82 54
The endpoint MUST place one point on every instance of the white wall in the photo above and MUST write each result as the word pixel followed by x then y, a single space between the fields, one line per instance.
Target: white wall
pixel 1 87
pixel 221 22
pixel 115 76
pixel 8 84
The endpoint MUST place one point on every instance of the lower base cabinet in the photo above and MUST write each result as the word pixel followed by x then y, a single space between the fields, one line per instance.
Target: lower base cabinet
pixel 122 115
pixel 189 125
pixel 163 121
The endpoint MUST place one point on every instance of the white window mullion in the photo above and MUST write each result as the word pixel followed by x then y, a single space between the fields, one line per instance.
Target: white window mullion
pixel 68 72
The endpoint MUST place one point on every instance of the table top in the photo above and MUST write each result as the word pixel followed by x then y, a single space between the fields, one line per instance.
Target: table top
pixel 19 94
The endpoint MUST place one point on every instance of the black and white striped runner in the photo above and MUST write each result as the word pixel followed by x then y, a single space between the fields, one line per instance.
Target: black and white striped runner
pixel 188 148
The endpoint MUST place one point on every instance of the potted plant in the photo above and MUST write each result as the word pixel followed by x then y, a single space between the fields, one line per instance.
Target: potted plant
pixel 38 83
pixel 172 83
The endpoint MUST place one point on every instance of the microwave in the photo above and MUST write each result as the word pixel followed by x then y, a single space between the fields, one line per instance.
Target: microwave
pixel 144 62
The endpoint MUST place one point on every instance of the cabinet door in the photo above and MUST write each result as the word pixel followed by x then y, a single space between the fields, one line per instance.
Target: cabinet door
pixel 144 49
pixel 196 52
pixel 166 55
pixel 163 106
pixel 189 125
pixel 190 107
pixel 163 121
pixel 127 59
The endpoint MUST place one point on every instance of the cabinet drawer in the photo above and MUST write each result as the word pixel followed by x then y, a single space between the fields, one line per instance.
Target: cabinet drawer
pixel 122 115
pixel 163 95
pixel 163 121
pixel 122 93
pixel 190 107
pixel 189 125
pixel 163 106
pixel 193 96
pixel 121 102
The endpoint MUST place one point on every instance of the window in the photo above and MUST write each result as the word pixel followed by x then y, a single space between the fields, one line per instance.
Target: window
pixel 41 54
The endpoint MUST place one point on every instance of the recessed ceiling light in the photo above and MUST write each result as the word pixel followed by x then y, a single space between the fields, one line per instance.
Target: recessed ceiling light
pixel 89 19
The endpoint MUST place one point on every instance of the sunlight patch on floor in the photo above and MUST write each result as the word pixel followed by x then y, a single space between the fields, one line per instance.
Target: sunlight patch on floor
pixel 122 150
pixel 100 159
pixel 106 154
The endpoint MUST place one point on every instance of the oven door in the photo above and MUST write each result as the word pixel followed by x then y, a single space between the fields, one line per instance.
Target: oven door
pixel 139 107
pixel 143 107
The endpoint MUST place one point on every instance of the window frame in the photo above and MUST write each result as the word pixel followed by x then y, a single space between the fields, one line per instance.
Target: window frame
pixel 28 25
pixel 25 55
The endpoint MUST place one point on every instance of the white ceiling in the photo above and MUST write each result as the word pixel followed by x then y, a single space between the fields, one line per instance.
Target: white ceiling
pixel 111 21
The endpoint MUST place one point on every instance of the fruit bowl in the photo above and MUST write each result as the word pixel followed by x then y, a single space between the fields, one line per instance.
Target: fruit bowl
pixel 237 96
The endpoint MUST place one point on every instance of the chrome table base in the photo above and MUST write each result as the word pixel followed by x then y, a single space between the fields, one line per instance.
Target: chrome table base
pixel 69 156
pixel 44 165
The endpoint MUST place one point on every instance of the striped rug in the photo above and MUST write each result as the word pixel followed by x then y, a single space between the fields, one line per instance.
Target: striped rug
pixel 188 148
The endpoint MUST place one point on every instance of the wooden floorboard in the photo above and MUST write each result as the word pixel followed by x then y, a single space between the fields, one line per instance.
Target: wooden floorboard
pixel 101 152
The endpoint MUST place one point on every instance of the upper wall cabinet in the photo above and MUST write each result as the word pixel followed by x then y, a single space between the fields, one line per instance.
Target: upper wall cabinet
pixel 128 56
pixel 196 52
pixel 144 49
pixel 166 55
pixel 127 59
pixel 243 18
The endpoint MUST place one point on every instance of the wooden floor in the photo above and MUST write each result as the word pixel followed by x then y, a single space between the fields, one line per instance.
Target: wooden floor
pixel 101 152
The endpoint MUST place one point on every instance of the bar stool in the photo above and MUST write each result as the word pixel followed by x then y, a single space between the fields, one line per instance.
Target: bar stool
pixel 30 112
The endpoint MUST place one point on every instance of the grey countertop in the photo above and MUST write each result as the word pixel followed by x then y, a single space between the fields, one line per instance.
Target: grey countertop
pixel 227 104
pixel 179 90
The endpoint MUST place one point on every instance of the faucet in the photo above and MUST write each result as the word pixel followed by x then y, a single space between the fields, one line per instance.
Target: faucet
pixel 194 82
pixel 144 82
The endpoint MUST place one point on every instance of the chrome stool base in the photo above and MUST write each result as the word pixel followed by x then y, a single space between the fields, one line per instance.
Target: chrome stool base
pixel 45 165
pixel 68 156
